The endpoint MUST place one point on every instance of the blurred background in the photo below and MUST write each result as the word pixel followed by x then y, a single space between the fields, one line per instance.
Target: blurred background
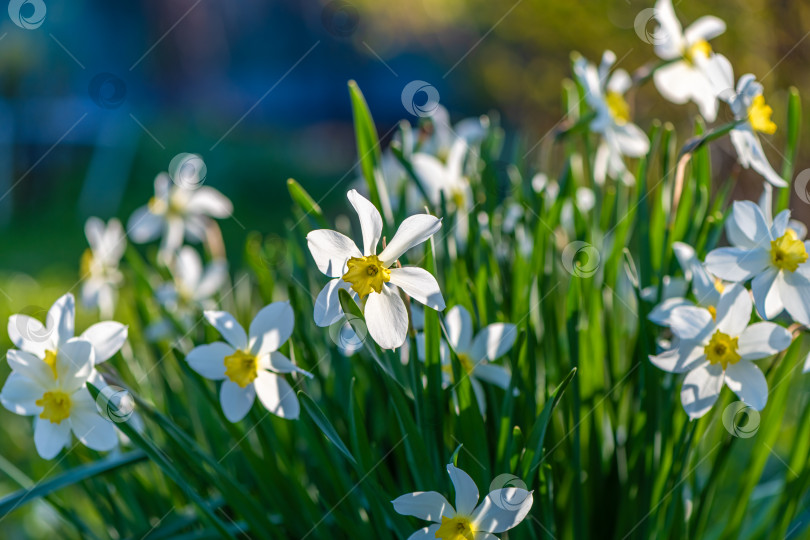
pixel 97 97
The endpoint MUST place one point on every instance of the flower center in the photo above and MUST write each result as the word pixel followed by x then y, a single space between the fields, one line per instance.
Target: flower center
pixel 50 359
pixel 55 406
pixel 759 116
pixel 457 528
pixel 699 48
pixel 722 349
pixel 241 368
pixel 788 252
pixel 366 274
pixel 618 107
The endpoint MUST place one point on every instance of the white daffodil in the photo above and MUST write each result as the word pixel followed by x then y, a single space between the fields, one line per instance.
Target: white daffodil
pixel 604 93
pixel 249 364
pixel 447 179
pixel 718 349
pixel 501 510
pixel 175 213
pixel 371 276
pixel 772 255
pixel 45 341
pixel 474 351
pixel 706 288
pixel 56 394
pixel 193 284
pixel 445 135
pixel 99 266
pixel 687 76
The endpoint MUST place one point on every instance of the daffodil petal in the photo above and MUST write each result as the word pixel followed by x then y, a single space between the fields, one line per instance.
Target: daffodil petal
pixel 227 326
pixel 700 389
pixel 271 327
pixel 331 250
pixel 412 232
pixel 493 341
pixel 737 264
pixel 277 395
pixel 386 318
pixel 144 226
pixel 207 200
pixel 734 310
pixel 747 381
pixel 427 505
pixel 420 285
pixel 370 221
pixel 235 400
pixel 19 395
pixel 50 438
pixel 209 360
pixel 107 338
pixel 459 327
pixel 327 305
pixel 61 318
pixel 465 488
pixel 502 509
pixel 763 339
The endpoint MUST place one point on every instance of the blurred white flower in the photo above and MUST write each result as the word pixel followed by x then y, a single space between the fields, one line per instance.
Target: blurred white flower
pixel 475 352
pixel 445 135
pixel 604 93
pixel 249 364
pixel 175 213
pixel 99 266
pixel 772 255
pixel 368 274
pixel 56 394
pixel 192 284
pixel 687 76
pixel 717 350
pixel 501 510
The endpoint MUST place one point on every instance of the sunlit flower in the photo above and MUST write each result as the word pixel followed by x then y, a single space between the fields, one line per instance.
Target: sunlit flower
pixel 717 349
pixel 501 510
pixel 604 93
pixel 45 341
pixel 685 77
pixel 772 255
pixel 475 352
pixel 99 266
pixel 374 278
pixel 175 213
pixel 192 283
pixel 56 394
pixel 249 364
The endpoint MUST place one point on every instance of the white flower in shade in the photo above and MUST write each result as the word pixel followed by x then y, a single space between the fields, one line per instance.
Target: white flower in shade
pixel 56 394
pixel 706 288
pixel 175 213
pixel 475 352
pixel 45 341
pixel 686 76
pixel 446 179
pixel 445 135
pixel 249 364
pixel 772 255
pixel 192 283
pixel 99 266
pixel 604 93
pixel 716 350
pixel 370 276
pixel 501 510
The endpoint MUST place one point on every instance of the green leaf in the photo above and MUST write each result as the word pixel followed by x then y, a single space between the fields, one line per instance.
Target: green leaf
pixel 305 201
pixel 325 425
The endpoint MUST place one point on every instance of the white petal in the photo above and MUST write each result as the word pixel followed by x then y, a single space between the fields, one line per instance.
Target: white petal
pixel 669 36
pixel 94 231
pixel 226 325
pixel 700 389
pixel 331 250
pixel 425 533
pixel 465 488
pixel 620 82
pixel 734 310
pixel 370 221
pixel 235 400
pixel 458 324
pixel 413 231
pixel 277 395
pixel 751 222
pixel 420 285
pixel 766 294
pixel 74 362
pixel 493 374
pixel 705 28
pixel 91 429
pixel 49 439
pixel 107 338
pixel 207 200
pixel 751 154
pixel 685 357
pixel 386 318
pixel 502 509
pixel 327 304
pixel 271 327
pixel 662 313
pixel 212 280
pixel 61 317
pixel 747 381
pixel 144 226
pixel 188 267
pixel 480 396
pixel 427 505
pixel 674 81
pixel 493 341
pixel 209 360
pixel 737 264
pixel 275 361
pixel 30 335
pixel 763 339
pixel 794 291
pixel 20 393
pixel 631 140
pixel 691 323
pixel 31 366
pixel 780 222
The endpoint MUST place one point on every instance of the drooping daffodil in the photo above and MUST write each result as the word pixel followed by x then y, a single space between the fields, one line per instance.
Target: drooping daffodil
pixel 374 278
